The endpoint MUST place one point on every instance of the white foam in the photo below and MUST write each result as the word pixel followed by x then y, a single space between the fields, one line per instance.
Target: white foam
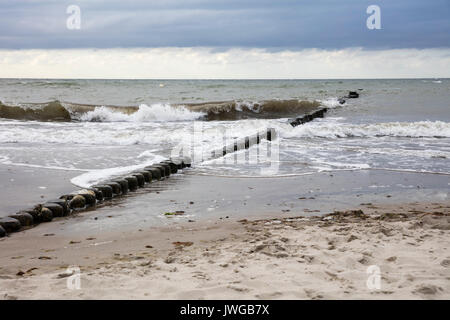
pixel 92 177
pixel 162 137
pixel 6 161
pixel 330 128
pixel 251 106
pixel 330 102
pixel 145 113
pixel 334 164
pixel 94 133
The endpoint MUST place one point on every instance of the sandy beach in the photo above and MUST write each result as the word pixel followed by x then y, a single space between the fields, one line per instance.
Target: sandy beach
pixel 294 257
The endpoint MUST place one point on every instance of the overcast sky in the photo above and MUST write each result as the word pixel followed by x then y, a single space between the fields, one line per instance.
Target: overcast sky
pixel 275 33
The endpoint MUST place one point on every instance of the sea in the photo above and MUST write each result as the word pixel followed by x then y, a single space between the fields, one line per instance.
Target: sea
pixel 98 129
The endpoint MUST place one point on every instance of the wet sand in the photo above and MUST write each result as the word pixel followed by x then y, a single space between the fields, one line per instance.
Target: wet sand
pixel 23 187
pixel 288 257
pixel 244 238
pixel 205 197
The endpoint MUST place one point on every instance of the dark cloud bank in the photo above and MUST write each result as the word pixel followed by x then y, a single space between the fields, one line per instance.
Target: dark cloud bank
pixel 325 24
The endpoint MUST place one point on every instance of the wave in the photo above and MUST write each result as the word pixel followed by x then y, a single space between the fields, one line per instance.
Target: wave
pixel 51 111
pixel 331 128
pixel 155 112
pixel 269 109
pixel 332 102
pixel 221 110
pixel 49 83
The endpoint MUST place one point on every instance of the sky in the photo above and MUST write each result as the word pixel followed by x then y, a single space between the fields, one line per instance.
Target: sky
pixel 224 39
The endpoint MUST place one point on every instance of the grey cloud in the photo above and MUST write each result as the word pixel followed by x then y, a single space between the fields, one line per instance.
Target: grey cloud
pixel 225 23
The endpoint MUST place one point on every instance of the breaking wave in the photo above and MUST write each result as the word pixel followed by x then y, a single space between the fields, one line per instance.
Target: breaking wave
pixel 155 112
pixel 269 109
pixel 51 111
pixel 332 128
pixel 222 110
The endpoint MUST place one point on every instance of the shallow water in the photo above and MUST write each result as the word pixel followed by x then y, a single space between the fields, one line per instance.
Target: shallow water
pixel 215 199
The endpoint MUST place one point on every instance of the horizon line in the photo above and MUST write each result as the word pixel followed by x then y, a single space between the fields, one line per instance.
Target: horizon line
pixel 225 79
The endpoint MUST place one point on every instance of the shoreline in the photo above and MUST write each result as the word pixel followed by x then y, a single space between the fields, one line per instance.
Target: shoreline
pixel 284 257
pixel 235 196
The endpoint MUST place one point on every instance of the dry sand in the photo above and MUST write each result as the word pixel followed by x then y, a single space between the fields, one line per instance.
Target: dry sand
pixel 282 258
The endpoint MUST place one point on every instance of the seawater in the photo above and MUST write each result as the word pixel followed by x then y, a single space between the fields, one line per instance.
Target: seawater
pixel 127 124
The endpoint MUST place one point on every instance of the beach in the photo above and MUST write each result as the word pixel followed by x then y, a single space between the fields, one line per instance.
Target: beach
pixel 351 204
pixel 224 158
pixel 289 257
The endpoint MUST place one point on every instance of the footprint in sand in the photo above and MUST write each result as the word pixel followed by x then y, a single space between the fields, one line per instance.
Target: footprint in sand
pixel 427 289
pixel 238 289
pixel 312 294
pixel 445 263
pixel 391 259
pixel 268 296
